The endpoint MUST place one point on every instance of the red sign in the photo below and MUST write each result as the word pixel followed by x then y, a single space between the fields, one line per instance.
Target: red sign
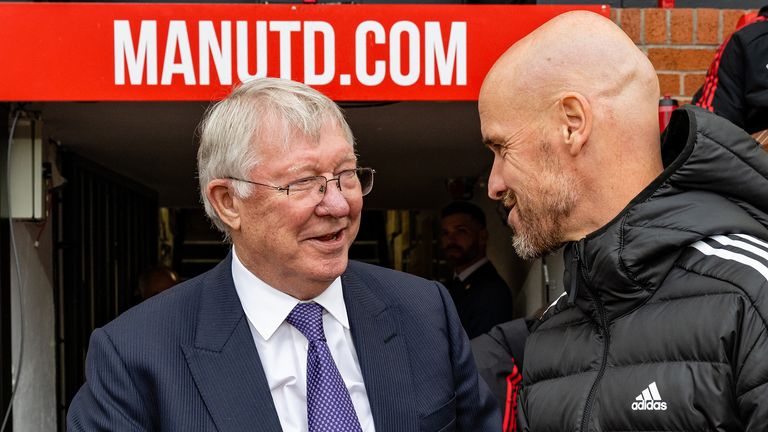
pixel 117 51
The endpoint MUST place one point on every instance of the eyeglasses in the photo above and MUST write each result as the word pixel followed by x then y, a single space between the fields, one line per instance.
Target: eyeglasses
pixel 352 183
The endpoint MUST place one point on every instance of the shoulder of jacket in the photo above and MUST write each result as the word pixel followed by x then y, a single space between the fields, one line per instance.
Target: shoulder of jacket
pixel 738 260
pixel 751 33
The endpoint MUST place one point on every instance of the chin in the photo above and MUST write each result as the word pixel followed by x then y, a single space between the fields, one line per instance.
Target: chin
pixel 330 269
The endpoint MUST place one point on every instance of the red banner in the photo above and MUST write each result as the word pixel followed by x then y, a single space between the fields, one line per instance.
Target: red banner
pixel 117 51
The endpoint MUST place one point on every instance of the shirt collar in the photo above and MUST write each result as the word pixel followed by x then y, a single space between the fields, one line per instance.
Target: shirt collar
pixel 471 269
pixel 267 307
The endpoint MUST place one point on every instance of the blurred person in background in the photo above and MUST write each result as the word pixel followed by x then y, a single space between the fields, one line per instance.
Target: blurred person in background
pixel 736 86
pixel 481 296
pixel 156 279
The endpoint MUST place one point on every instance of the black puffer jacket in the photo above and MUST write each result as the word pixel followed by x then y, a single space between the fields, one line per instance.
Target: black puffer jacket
pixel 667 326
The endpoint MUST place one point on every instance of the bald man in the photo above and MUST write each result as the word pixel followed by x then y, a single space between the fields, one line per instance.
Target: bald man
pixel 665 323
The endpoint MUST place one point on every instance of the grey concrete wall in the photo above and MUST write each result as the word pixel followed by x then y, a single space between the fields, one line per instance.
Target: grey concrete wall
pixel 34 406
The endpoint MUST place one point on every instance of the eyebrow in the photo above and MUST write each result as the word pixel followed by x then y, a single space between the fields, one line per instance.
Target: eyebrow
pixel 349 158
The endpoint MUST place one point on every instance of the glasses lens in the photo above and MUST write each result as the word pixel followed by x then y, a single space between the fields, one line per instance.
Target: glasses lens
pixel 349 182
pixel 308 184
pixel 309 192
pixel 365 175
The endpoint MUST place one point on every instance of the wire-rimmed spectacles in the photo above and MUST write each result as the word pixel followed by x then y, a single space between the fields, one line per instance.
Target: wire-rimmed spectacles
pixel 351 183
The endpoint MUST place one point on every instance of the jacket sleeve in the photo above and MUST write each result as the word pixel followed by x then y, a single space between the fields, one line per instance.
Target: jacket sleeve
pixel 499 358
pixel 476 408
pixel 109 400
pixel 751 368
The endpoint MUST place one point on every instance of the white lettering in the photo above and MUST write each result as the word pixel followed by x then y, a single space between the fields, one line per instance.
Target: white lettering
pixel 361 53
pixel 243 73
pixel 398 51
pixel 134 58
pixel 455 58
pixel 285 28
pixel 178 40
pixel 311 77
pixel 649 406
pixel 221 52
pixel 414 53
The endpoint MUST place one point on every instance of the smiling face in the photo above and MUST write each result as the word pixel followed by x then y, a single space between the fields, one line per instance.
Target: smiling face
pixel 296 248
pixel 527 176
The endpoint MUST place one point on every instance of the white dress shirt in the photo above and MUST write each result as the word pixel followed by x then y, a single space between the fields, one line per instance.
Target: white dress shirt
pixel 283 349
pixel 471 269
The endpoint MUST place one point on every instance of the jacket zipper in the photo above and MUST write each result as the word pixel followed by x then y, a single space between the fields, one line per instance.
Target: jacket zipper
pixel 574 274
pixel 602 326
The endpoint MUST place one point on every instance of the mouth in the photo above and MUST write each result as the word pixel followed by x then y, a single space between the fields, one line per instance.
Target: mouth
pixel 330 237
pixel 509 200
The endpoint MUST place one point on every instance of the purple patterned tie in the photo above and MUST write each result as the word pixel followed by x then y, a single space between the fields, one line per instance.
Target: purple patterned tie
pixel 329 407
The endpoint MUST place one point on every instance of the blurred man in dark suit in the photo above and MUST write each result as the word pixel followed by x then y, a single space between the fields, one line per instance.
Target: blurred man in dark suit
pixel 481 296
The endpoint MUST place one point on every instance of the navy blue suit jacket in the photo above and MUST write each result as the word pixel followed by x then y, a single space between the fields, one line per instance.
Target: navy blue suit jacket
pixel 185 361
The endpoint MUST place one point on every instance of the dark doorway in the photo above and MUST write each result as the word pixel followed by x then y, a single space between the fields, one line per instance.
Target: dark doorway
pixel 105 233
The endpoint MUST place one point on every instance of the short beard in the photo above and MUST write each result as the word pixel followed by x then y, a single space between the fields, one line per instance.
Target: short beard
pixel 541 222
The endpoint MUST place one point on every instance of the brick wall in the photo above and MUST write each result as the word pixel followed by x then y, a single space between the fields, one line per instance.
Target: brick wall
pixel 680 43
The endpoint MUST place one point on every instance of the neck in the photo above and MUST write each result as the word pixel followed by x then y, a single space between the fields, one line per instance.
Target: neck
pixel 607 193
pixel 460 268
pixel 301 288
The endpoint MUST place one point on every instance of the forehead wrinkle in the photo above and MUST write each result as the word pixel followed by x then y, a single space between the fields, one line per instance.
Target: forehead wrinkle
pixel 516 136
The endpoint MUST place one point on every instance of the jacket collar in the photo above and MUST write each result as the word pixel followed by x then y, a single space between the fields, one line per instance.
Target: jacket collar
pixel 223 359
pixel 715 181
pixel 381 349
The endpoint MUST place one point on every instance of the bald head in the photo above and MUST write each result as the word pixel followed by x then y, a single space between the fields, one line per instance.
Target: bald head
pixel 568 110
pixel 579 52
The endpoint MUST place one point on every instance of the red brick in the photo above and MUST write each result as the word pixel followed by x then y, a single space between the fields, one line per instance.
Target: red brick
pixel 669 83
pixel 681 26
pixel 730 19
pixel 655 26
pixel 615 16
pixel 680 59
pixel 707 25
pixel 630 23
pixel 692 82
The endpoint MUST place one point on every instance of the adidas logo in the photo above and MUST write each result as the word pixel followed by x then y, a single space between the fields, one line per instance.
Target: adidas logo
pixel 649 400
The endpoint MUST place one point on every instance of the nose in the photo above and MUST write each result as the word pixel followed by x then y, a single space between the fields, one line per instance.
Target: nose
pixel 496 186
pixel 334 203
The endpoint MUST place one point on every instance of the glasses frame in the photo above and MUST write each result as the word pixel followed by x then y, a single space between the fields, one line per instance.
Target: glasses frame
pixel 323 189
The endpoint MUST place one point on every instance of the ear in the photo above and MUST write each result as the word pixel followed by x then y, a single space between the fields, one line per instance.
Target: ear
pixel 222 197
pixel 576 121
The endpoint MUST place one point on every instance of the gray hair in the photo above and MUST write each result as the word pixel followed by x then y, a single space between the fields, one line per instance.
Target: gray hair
pixel 230 130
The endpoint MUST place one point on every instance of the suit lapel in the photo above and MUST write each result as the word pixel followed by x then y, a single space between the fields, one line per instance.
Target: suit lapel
pixel 381 351
pixel 224 362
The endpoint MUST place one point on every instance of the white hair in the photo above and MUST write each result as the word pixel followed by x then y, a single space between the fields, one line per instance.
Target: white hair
pixel 231 129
